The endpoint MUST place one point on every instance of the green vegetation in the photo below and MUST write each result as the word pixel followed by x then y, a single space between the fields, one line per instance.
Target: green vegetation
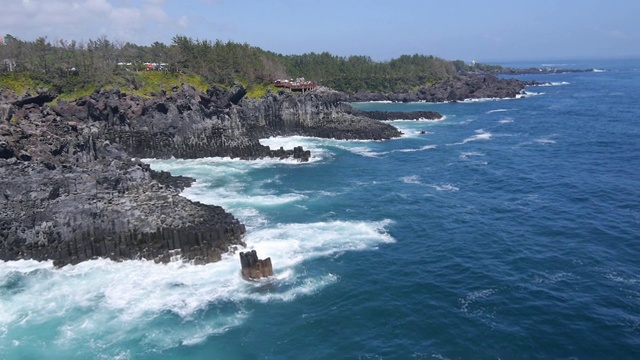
pixel 68 96
pixel 144 83
pixel 20 82
pixel 362 73
pixel 259 90
pixel 76 69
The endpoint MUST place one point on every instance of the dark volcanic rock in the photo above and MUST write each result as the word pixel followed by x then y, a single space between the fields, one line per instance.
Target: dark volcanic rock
pixel 320 113
pixel 71 190
pixel 398 115
pixel 462 88
pixel 254 268
pixel 65 198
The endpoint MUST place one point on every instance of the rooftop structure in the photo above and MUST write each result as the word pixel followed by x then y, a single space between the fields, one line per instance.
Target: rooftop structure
pixel 299 84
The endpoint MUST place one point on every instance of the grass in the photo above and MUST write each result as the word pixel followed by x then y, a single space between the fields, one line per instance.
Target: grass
pixel 20 83
pixel 256 91
pixel 70 96
pixel 142 83
pixel 148 82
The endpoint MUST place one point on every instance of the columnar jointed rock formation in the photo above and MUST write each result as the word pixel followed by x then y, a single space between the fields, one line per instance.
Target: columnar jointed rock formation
pixel 254 268
pixel 320 113
pixel 69 198
pixel 461 88
pixel 70 190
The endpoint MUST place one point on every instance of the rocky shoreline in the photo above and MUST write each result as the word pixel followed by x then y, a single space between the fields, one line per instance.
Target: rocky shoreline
pixel 73 189
pixel 466 87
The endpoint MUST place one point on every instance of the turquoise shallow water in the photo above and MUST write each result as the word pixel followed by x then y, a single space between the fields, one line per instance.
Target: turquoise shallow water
pixel 510 229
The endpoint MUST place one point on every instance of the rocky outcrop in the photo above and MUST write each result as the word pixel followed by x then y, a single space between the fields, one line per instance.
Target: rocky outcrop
pixel 71 190
pixel 69 195
pixel 253 268
pixel 183 124
pixel 397 115
pixel 321 113
pixel 461 88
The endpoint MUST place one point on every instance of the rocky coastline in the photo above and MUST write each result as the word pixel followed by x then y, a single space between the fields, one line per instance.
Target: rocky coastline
pixel 73 188
pixel 466 87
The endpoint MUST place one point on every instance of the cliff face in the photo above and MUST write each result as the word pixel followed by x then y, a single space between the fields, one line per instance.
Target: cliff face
pixel 71 190
pixel 463 88
pixel 320 113
pixel 69 194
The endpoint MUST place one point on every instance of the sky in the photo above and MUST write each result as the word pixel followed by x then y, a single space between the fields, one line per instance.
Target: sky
pixel 382 29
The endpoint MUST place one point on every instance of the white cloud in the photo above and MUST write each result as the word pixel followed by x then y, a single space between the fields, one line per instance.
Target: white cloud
pixel 183 21
pixel 156 12
pixel 139 21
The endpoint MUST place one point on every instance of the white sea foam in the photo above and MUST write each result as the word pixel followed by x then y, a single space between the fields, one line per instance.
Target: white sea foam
pixel 411 133
pixel 368 152
pixel 374 102
pixel 518 96
pixel 468 154
pixel 411 129
pixel 529 93
pixel 480 135
pixel 100 302
pixel 616 277
pixel 599 70
pixel 203 166
pixel 505 121
pixel 444 187
pixel 557 83
pixel 423 120
pixel 362 151
pixel 412 179
pixel 497 110
pixel 545 141
pixel 422 148
pixel 474 297
pixel 467 101
pixel 415 180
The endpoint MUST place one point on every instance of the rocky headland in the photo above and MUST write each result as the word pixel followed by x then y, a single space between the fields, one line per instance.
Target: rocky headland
pixel 463 88
pixel 73 188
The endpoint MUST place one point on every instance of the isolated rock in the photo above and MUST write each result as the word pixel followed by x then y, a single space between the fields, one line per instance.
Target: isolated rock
pixel 254 268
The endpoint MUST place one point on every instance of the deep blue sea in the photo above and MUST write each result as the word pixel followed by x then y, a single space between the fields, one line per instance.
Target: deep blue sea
pixel 508 230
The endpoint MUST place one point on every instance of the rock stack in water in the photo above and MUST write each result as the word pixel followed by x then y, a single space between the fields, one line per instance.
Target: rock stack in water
pixel 254 268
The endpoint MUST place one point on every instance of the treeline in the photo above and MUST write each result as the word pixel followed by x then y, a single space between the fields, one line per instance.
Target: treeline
pixel 69 65
pixel 356 73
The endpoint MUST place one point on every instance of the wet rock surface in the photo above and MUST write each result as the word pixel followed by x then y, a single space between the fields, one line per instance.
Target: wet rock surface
pixel 254 268
pixel 73 189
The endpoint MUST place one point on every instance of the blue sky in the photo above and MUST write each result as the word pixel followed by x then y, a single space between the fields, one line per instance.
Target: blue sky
pixel 459 29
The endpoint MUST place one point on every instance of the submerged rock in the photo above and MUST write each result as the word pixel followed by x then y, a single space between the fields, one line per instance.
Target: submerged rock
pixel 254 268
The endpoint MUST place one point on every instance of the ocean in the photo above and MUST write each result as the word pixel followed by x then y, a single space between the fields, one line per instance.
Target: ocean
pixel 510 229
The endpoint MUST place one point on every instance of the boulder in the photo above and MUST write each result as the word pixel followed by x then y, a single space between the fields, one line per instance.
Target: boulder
pixel 254 268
